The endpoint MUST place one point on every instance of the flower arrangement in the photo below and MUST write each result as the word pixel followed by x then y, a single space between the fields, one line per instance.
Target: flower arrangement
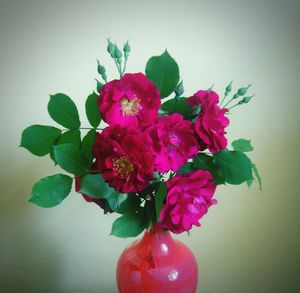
pixel 155 161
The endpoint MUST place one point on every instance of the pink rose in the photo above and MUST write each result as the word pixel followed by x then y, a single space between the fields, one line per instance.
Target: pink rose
pixel 211 121
pixel 188 199
pixel 124 157
pixel 133 101
pixel 173 142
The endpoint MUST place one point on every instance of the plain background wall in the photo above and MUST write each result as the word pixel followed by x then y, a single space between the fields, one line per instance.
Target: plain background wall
pixel 249 242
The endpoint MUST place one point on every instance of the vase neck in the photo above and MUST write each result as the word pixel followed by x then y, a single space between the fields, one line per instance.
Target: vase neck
pixel 156 234
pixel 157 229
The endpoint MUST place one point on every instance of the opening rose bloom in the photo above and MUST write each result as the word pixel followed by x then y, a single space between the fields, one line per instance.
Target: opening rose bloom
pixel 124 157
pixel 132 101
pixel 211 121
pixel 173 141
pixel 188 198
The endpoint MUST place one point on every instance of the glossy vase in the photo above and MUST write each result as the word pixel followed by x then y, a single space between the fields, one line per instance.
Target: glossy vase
pixel 157 263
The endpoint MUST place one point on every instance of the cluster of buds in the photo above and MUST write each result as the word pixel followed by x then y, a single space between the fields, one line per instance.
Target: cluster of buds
pixel 116 54
pixel 241 92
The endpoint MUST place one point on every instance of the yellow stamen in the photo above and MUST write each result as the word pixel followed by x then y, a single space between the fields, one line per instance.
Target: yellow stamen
pixel 130 107
pixel 122 166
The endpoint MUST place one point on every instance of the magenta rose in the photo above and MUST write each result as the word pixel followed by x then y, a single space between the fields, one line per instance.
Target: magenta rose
pixel 124 157
pixel 188 198
pixel 173 142
pixel 211 122
pixel 133 101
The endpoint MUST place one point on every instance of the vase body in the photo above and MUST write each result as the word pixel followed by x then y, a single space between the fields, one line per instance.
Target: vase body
pixel 157 263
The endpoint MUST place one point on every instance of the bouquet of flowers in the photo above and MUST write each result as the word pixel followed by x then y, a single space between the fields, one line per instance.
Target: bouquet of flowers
pixel 153 161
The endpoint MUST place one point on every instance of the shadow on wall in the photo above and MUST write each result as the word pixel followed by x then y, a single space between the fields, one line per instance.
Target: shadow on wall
pixel 38 253
pixel 28 263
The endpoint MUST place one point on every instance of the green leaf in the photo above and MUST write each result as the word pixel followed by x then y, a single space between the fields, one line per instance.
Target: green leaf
pixel 130 224
pixel 234 166
pixel 164 72
pixel 205 162
pixel 51 191
pixel 160 197
pixel 71 158
pixel 71 136
pixel 178 106
pixel 92 110
pixel 62 110
pixel 122 202
pixel 186 168
pixel 38 139
pixel 257 176
pixel 149 189
pixel 242 145
pixel 87 144
pixel 94 186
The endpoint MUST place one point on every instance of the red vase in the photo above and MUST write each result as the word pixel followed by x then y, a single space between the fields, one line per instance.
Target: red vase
pixel 157 263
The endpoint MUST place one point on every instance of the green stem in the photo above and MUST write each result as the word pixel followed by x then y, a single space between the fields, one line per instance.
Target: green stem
pixel 223 99
pixel 228 102
pixel 84 128
pixel 119 67
pixel 233 106
pixel 124 68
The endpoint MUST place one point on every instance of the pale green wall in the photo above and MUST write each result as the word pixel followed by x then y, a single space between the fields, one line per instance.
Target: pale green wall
pixel 249 242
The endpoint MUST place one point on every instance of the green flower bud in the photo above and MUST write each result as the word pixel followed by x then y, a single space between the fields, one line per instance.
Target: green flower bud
pixel 229 88
pixel 100 68
pixel 126 49
pixel 99 85
pixel 235 96
pixel 242 91
pixel 247 99
pixel 179 90
pixel 110 48
pixel 210 88
pixel 117 53
pixel 119 60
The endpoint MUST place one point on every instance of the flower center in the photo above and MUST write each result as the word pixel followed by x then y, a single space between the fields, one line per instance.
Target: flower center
pixel 122 166
pixel 130 107
pixel 173 142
